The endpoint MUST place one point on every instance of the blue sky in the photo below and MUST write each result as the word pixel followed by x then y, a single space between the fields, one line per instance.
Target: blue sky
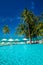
pixel 10 11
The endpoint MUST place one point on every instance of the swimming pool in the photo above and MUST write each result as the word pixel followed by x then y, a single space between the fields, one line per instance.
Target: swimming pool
pixel 21 54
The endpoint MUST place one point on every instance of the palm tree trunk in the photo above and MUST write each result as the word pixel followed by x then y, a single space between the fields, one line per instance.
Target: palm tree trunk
pixel 29 34
pixel 30 40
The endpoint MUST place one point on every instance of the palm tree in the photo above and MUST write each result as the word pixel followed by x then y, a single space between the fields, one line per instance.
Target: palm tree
pixel 31 26
pixel 28 25
pixel 5 29
pixel 31 20
pixel 39 29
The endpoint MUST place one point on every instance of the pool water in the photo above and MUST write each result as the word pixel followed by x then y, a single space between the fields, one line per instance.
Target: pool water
pixel 24 54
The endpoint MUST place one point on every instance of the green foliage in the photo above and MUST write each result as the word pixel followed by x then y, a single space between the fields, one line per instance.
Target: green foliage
pixel 5 29
pixel 32 25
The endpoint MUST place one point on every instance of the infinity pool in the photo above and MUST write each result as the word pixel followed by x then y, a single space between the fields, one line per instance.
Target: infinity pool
pixel 23 54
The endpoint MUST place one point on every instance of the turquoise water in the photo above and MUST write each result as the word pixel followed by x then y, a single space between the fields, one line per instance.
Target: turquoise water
pixel 21 54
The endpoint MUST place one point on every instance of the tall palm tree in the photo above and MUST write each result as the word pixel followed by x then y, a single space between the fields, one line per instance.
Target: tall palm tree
pixel 30 19
pixel 32 26
pixel 5 29
pixel 27 29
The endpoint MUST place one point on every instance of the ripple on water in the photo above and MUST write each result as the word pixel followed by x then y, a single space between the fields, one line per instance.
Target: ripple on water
pixel 21 55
